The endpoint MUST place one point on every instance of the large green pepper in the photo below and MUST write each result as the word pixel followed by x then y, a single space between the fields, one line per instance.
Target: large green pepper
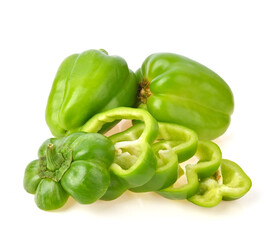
pixel 135 162
pixel 76 165
pixel 86 84
pixel 230 182
pixel 179 90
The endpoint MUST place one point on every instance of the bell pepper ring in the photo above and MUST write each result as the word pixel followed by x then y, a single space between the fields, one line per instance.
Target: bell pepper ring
pixel 209 155
pixel 76 165
pixel 230 182
pixel 173 144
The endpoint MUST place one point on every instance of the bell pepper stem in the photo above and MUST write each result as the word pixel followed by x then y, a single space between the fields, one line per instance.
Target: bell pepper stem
pixel 53 158
pixel 144 91
pixel 104 51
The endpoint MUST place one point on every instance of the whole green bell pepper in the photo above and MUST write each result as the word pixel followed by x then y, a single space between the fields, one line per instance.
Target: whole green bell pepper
pixel 76 165
pixel 135 162
pixel 209 156
pixel 86 84
pixel 229 183
pixel 179 90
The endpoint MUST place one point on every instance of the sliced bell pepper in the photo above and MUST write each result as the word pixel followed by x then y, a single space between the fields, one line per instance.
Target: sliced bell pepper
pixel 173 144
pixel 229 183
pixel 86 84
pixel 76 165
pixel 179 90
pixel 209 155
pixel 134 163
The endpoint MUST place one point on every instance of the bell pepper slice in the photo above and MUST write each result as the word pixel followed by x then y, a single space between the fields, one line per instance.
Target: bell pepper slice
pixel 209 155
pixel 230 182
pixel 75 165
pixel 134 163
pixel 174 144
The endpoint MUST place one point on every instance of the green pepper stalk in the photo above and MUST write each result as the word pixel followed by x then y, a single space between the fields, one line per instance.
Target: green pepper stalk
pixel 86 84
pixel 76 165
pixel 135 163
pixel 178 90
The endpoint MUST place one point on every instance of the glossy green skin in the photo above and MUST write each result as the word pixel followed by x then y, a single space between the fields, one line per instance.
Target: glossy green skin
pixel 135 162
pixel 187 93
pixel 86 84
pixel 209 156
pixel 86 178
pixel 232 183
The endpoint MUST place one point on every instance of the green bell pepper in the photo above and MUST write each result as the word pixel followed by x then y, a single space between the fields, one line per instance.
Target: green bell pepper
pixel 179 90
pixel 76 165
pixel 209 155
pixel 229 183
pixel 86 84
pixel 134 163
pixel 174 144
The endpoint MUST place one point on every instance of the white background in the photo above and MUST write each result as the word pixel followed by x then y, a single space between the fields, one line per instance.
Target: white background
pixel 230 37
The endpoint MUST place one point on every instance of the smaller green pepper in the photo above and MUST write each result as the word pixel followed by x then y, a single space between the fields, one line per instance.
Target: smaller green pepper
pixel 76 165
pixel 230 182
pixel 209 155
pixel 134 163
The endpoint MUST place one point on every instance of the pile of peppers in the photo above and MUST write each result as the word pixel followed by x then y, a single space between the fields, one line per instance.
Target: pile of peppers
pixel 176 106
